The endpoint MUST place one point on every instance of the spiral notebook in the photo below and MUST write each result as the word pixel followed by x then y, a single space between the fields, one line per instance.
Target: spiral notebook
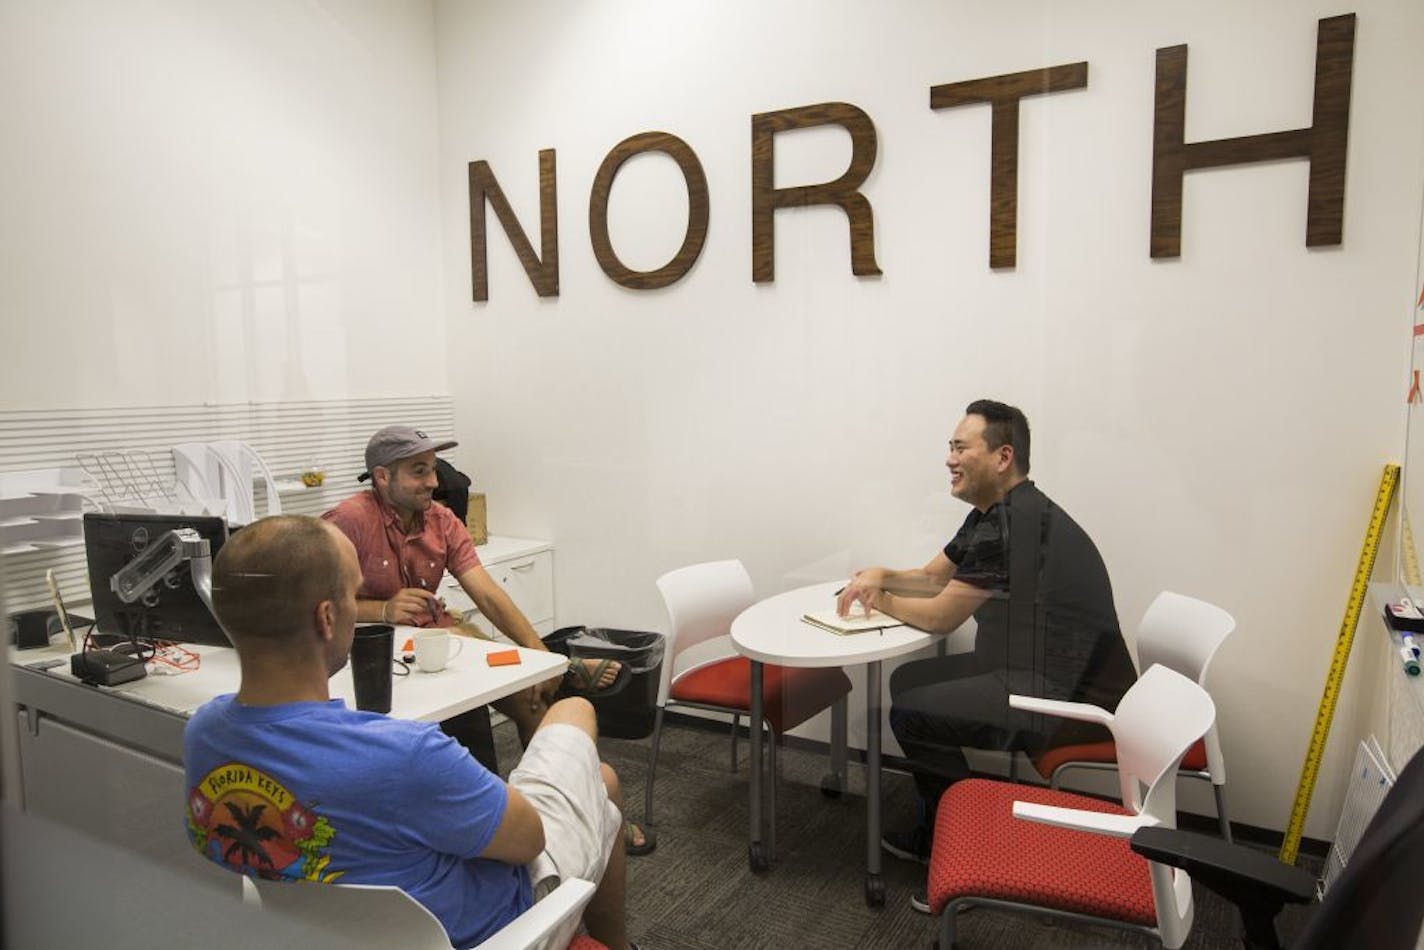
pixel 857 622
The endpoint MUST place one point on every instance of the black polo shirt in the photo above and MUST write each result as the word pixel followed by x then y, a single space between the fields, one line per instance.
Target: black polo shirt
pixel 1050 622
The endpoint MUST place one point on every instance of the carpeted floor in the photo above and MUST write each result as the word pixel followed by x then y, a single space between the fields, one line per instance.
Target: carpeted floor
pixel 696 891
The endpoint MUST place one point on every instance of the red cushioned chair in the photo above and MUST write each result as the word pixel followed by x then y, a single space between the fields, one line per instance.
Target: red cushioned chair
pixel 1182 633
pixel 702 601
pixel 1024 847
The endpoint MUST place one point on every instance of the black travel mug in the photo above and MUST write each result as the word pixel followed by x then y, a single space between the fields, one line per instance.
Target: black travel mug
pixel 371 652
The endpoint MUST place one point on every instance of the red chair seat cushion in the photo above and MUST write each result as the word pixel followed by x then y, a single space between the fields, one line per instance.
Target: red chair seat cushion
pixel 1049 761
pixel 980 849
pixel 790 694
pixel 585 942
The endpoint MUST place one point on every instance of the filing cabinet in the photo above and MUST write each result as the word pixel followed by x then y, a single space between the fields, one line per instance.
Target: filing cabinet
pixel 524 568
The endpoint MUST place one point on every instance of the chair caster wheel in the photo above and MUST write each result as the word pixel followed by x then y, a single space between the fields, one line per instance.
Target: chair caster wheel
pixel 874 891
pixel 756 857
pixel 831 785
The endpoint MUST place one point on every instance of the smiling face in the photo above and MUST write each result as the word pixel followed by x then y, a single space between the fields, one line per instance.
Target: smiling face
pixel 978 474
pixel 408 486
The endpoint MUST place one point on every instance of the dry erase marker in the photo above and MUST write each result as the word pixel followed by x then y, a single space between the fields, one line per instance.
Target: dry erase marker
pixel 1411 663
pixel 1412 644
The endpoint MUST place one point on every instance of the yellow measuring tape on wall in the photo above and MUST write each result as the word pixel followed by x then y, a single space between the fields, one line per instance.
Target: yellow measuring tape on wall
pixel 1408 554
pixel 1290 848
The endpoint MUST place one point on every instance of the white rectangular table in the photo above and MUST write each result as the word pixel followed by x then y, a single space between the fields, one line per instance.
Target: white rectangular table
pixel 466 683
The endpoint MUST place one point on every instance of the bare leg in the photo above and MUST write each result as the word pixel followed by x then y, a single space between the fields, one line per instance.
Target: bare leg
pixel 578 712
pixel 526 709
pixel 574 711
pixel 605 915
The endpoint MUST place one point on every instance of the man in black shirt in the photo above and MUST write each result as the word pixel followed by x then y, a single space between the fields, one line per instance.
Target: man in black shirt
pixel 1039 592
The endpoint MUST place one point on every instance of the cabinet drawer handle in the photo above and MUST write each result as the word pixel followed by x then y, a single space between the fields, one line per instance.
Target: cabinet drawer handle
pixel 527 565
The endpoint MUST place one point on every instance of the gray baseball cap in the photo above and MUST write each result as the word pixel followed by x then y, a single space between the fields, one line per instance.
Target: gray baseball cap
pixel 394 443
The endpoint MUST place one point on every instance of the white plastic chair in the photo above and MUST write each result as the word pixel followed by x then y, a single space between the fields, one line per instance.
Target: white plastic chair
pixel 225 471
pixel 979 850
pixel 373 916
pixel 1181 633
pixel 702 600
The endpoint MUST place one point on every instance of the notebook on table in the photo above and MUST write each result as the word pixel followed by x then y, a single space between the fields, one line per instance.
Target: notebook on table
pixel 856 622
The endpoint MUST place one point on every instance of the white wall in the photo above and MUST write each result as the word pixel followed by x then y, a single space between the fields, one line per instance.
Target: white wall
pixel 1217 422
pixel 217 201
pixel 224 201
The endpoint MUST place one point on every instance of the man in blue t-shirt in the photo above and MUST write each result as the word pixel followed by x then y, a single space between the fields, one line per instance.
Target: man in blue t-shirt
pixel 286 782
pixel 1038 589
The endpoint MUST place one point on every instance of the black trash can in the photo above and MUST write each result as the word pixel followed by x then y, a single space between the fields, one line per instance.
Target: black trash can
pixel 628 708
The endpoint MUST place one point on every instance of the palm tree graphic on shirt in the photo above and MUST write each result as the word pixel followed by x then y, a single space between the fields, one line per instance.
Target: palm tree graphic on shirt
pixel 247 836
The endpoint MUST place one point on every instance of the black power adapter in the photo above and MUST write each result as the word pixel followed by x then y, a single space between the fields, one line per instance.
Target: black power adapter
pixel 106 667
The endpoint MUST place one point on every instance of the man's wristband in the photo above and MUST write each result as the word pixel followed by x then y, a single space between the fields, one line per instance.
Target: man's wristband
pixel 384 604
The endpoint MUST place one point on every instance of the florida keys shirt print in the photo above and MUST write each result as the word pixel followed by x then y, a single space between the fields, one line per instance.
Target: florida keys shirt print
pixel 244 819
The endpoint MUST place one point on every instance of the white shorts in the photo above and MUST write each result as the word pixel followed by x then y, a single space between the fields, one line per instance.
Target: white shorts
pixel 559 774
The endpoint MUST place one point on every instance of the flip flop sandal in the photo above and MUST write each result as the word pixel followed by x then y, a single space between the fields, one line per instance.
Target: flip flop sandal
pixel 650 841
pixel 587 683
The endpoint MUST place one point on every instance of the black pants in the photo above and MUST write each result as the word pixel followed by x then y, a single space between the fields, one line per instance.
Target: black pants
pixel 472 730
pixel 943 705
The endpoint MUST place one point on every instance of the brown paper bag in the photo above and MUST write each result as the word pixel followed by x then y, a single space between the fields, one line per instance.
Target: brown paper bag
pixel 475 518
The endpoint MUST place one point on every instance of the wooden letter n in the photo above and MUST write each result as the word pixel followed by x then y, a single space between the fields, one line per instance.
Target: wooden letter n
pixel 543 270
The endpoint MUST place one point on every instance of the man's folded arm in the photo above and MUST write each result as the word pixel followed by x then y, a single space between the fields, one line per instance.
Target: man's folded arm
pixel 925 581
pixel 942 613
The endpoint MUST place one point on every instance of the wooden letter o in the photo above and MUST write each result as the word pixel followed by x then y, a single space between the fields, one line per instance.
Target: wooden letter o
pixel 696 181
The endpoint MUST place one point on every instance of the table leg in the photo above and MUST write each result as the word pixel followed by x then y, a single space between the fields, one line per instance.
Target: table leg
pixel 756 853
pixel 874 886
pixel 833 783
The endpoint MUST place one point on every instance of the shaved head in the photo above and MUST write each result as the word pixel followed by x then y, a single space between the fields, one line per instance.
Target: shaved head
pixel 270 577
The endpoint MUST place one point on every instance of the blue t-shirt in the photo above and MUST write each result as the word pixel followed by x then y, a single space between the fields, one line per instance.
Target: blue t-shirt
pixel 320 792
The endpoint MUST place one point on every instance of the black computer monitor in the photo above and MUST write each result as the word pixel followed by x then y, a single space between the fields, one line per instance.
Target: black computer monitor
pixel 171 609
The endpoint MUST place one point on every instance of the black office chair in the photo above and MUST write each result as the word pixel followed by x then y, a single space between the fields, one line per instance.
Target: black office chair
pixel 1374 905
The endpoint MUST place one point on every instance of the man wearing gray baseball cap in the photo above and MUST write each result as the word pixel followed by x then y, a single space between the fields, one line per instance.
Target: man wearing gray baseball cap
pixel 405 544
pixel 394 443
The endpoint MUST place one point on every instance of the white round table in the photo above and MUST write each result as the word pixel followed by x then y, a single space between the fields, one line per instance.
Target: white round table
pixel 772 631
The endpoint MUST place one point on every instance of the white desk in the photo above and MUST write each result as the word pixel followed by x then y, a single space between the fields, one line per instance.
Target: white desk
pixel 771 631
pixel 466 683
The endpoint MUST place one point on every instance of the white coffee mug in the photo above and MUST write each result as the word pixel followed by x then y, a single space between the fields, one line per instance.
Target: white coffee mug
pixel 433 651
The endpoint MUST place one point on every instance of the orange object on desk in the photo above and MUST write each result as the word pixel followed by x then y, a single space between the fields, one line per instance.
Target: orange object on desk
pixel 409 645
pixel 503 658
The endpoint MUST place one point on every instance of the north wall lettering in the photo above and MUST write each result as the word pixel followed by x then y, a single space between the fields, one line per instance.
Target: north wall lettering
pixel 1004 93
pixel 697 211
pixel 844 192
pixel 1324 145
pixel 543 269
